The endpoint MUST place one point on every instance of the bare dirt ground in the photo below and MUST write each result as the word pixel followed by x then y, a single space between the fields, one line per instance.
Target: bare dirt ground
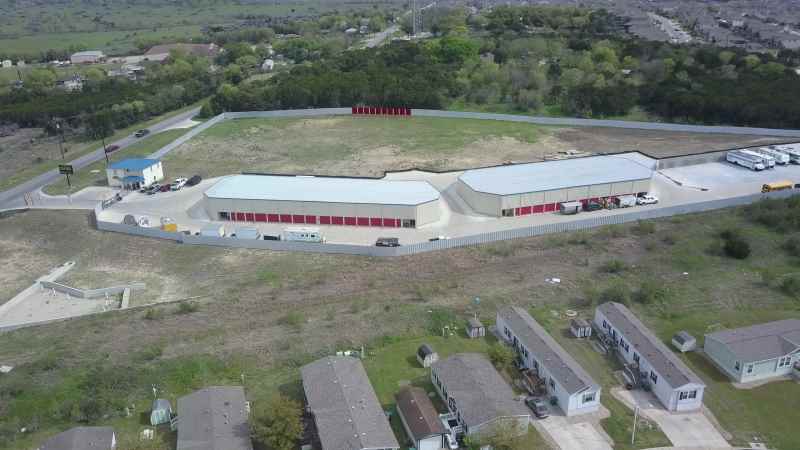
pixel 369 147
pixel 26 147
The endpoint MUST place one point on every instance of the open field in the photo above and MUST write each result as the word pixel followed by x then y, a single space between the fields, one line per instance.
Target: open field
pixel 257 304
pixel 24 159
pixel 369 146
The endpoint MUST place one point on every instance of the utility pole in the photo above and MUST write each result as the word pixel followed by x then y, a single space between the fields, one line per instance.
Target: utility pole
pixel 60 134
pixel 635 419
pixel 414 18
pixel 105 152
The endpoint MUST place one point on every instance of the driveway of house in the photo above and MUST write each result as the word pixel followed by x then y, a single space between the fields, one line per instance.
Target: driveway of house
pixel 685 429
pixel 571 435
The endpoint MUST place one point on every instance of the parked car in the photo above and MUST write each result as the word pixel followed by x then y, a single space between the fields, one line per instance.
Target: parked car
pixel 452 443
pixel 647 200
pixel 195 180
pixel 538 406
pixel 142 133
pixel 155 187
pixel 112 148
pixel 179 183
pixel 438 238
pixel 165 188
pixel 592 206
pixel 387 242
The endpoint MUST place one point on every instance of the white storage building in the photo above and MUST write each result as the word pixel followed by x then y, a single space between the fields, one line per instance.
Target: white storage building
pixel 323 201
pixel 523 189
pixel 134 173
pixel 87 57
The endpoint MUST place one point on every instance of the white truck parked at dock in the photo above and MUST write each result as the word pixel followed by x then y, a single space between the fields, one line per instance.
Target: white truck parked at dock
pixel 768 161
pixel 303 234
pixel 745 160
pixel 791 150
pixel 780 157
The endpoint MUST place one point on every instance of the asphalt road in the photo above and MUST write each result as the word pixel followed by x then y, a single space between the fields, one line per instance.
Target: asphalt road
pixel 14 197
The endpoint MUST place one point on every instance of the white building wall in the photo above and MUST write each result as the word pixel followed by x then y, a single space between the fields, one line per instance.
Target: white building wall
pixel 571 404
pixel 666 394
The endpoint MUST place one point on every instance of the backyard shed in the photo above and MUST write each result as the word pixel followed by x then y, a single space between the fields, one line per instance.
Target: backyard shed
pixel 684 341
pixel 426 356
pixel 420 419
pixel 580 328
pixel 160 412
pixel 475 328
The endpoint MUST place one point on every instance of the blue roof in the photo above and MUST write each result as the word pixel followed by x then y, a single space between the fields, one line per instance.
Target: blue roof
pixel 323 189
pixel 132 179
pixel 133 164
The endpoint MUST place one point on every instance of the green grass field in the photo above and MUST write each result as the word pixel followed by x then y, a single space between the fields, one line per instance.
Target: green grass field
pixel 354 146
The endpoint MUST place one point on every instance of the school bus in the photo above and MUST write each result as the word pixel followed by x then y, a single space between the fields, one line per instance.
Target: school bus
pixel 777 186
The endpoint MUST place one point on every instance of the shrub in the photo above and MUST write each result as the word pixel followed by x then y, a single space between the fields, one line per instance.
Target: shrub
pixel 501 355
pixel 187 308
pixel 278 423
pixel 153 314
pixel 614 266
pixel 792 246
pixel 649 292
pixel 669 239
pixel 790 285
pixel 642 228
pixel 293 319
pixel 735 245
pixel 616 292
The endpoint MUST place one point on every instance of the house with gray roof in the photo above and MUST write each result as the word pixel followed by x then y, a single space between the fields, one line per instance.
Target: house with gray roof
pixel 476 395
pixel 566 381
pixel 757 352
pixel 82 438
pixel 345 408
pixel 214 418
pixel 672 382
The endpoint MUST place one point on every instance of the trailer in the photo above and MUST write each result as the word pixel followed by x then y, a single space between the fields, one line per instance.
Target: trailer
pixel 780 157
pixel 568 208
pixel 745 160
pixel 303 234
pixel 791 150
pixel 768 161
pixel 625 201
pixel 213 230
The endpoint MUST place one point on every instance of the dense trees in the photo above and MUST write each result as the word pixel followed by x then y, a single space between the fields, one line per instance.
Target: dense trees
pixel 277 423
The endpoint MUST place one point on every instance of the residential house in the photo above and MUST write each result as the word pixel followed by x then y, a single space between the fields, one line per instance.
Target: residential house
pixel 420 419
pixel 346 411
pixel 426 355
pixel 135 173
pixel 757 352
pixel 574 390
pixel 87 57
pixel 672 382
pixel 477 396
pixel 82 438
pixel 214 418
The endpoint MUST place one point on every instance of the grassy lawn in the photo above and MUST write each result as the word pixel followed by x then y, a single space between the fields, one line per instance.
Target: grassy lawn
pixel 357 146
pixel 85 177
pixel 79 148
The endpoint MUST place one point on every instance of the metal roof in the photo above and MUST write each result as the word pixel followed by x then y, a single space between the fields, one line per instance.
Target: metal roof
pixel 81 438
pixel 345 408
pixel 649 347
pixel 549 353
pixel 473 323
pixel 135 164
pixel 761 342
pixel 418 412
pixel 482 395
pixel 323 189
pixel 214 418
pixel 89 53
pixel 683 337
pixel 552 175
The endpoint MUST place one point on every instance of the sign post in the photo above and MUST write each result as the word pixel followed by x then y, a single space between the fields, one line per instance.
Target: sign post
pixel 67 170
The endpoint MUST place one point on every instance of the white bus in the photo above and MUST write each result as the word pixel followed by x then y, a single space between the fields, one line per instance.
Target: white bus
pixel 768 161
pixel 780 157
pixel 792 150
pixel 303 234
pixel 745 160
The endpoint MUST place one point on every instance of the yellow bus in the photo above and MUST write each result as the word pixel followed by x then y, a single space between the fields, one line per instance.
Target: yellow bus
pixel 777 186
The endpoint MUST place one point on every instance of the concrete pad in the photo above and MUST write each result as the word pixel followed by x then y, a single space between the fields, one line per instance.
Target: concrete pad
pixel 572 436
pixel 684 429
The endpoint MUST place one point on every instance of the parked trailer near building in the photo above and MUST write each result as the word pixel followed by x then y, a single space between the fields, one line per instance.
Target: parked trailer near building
pixel 303 234
pixel 768 161
pixel 745 160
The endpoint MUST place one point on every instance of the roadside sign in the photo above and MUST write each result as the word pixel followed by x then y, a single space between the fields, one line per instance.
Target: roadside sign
pixel 65 169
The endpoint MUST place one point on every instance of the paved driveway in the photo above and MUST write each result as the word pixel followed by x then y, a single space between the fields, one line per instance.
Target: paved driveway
pixel 573 436
pixel 686 429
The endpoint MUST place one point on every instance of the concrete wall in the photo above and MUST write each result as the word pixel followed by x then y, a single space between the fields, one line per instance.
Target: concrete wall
pixel 690 160
pixel 91 293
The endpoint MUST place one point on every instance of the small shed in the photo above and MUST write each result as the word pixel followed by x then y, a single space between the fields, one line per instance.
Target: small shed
pixel 580 328
pixel 160 412
pixel 426 356
pixel 213 230
pixel 475 328
pixel 684 341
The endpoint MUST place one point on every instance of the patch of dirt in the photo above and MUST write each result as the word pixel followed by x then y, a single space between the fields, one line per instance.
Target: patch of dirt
pixel 24 148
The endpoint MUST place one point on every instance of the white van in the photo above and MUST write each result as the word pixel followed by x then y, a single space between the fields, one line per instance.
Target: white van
pixel 303 234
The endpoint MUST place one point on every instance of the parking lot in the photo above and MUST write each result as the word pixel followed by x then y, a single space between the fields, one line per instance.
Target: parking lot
pixel 675 186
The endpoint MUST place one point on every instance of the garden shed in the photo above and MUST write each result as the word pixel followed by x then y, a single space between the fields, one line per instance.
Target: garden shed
pixel 475 328
pixel 160 412
pixel 426 356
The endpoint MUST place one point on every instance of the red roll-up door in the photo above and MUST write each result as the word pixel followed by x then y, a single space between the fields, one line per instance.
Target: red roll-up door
pixel 372 110
pixel 325 220
pixel 375 222
pixel 337 220
pixel 273 218
pixel 286 218
pixel 362 221
pixel 525 210
pixel 538 209
pixel 298 219
pixel 311 219
pixel 353 110
pixel 250 217
pixel 388 222
pixel 550 207
pixel 261 217
pixel 408 111
pixel 240 217
pixel 516 211
pixel 350 221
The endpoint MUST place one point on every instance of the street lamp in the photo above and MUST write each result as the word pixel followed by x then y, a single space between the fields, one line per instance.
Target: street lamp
pixel 60 139
pixel 105 152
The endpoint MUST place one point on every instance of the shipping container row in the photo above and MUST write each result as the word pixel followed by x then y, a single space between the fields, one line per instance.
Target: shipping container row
pixel 317 220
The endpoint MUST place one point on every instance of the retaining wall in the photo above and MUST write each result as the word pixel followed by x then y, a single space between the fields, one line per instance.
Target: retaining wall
pixel 91 293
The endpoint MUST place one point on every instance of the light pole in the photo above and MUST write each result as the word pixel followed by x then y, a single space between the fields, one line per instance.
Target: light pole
pixel 60 139
pixel 105 152
pixel 635 419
